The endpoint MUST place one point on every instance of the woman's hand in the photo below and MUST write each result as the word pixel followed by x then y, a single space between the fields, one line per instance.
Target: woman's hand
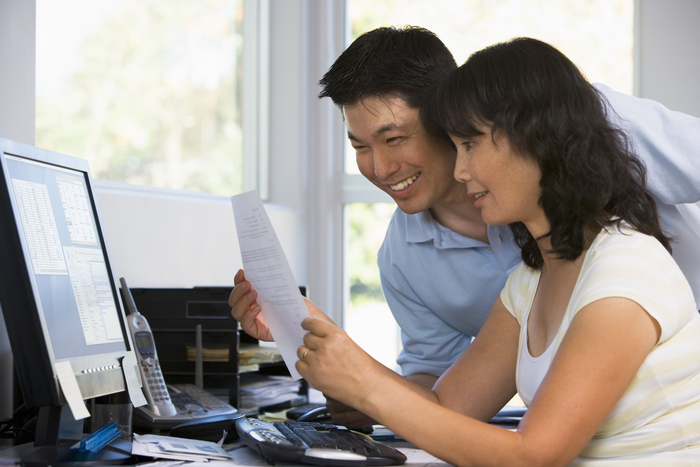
pixel 332 363
pixel 245 308
pixel 315 312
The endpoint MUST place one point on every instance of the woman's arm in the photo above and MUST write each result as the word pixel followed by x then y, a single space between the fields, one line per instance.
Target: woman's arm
pixel 605 346
pixel 479 384
pixel 339 362
pixel 607 342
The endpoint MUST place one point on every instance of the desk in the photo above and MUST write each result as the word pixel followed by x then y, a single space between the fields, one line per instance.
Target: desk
pixel 244 456
pixel 416 457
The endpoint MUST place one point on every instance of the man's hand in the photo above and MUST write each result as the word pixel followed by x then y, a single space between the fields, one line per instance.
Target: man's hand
pixel 345 415
pixel 246 310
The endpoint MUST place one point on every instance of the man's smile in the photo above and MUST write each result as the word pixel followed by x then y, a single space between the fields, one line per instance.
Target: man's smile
pixel 401 185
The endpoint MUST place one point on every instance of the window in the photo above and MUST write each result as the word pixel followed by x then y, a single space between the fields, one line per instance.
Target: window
pixel 597 35
pixel 148 91
pixel 367 318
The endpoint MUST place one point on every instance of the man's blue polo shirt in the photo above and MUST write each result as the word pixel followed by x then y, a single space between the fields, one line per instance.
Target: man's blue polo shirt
pixel 444 285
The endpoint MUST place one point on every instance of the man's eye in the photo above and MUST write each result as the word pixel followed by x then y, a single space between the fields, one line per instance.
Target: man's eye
pixel 394 139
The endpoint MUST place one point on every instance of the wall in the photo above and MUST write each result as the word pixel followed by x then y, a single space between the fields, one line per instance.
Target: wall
pixel 667 55
pixel 168 238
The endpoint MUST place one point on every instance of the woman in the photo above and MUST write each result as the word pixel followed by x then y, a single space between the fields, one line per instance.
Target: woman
pixel 596 329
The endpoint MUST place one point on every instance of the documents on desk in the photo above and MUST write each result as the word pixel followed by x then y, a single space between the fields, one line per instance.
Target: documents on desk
pixel 182 449
pixel 248 458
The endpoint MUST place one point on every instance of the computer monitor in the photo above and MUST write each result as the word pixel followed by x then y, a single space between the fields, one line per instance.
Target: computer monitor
pixel 58 295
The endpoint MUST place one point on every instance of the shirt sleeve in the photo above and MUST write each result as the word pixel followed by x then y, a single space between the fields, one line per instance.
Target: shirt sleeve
pixel 637 267
pixel 667 142
pixel 518 291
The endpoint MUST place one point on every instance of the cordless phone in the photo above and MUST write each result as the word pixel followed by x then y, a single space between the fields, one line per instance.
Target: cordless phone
pixel 168 405
pixel 157 395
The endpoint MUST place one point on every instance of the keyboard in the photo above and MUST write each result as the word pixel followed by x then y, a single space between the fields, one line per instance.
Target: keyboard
pixel 314 443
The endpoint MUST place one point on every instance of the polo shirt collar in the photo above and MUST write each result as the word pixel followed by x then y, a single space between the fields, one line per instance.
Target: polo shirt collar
pixel 422 227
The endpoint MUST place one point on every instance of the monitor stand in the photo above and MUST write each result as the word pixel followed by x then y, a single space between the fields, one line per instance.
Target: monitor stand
pixel 49 449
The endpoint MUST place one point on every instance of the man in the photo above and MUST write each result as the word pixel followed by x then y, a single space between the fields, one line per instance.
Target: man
pixel 441 266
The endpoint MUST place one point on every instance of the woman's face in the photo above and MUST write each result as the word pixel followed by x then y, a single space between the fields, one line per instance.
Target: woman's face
pixel 505 185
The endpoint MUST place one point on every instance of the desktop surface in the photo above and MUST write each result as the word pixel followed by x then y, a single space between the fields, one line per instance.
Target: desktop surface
pixel 244 456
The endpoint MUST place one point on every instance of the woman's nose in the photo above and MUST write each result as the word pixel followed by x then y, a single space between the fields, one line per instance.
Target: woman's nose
pixel 461 172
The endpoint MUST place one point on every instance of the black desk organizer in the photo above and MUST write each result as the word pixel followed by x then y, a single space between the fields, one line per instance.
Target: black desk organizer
pixel 174 314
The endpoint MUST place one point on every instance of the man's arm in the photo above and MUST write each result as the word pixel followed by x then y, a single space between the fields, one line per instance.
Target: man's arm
pixel 421 379
pixel 667 142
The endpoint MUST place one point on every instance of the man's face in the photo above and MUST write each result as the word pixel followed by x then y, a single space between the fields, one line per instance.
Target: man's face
pixel 395 153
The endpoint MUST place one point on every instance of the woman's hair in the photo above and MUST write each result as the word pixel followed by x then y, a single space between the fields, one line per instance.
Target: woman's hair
pixel 550 112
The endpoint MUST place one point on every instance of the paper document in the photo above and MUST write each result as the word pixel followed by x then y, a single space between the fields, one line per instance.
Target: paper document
pixel 266 268
pixel 71 390
pixel 258 390
pixel 167 447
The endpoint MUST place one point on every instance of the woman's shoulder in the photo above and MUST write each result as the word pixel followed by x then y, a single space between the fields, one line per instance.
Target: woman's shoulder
pixel 620 250
pixel 622 262
pixel 622 237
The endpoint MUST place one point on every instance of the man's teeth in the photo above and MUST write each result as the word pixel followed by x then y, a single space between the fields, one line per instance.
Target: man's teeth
pixel 404 184
pixel 479 195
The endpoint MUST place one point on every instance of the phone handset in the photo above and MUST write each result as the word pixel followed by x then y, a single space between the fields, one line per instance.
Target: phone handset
pixel 153 383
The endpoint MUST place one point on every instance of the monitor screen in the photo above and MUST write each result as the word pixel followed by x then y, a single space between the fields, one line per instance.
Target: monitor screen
pixel 67 260
pixel 61 303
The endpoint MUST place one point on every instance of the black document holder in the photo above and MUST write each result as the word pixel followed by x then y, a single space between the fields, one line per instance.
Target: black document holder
pixel 174 314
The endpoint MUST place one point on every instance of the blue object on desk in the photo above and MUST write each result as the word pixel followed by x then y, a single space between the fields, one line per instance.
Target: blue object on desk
pixel 99 439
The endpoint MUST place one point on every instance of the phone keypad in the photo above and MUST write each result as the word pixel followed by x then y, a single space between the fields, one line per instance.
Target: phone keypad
pixel 155 382
pixel 188 398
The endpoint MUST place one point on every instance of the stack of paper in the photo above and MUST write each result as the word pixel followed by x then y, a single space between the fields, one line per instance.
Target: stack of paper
pixel 251 354
pixel 167 447
pixel 258 390
pixel 209 354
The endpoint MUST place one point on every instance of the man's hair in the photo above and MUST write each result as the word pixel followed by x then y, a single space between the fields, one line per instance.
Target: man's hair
pixel 388 61
pixel 540 100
